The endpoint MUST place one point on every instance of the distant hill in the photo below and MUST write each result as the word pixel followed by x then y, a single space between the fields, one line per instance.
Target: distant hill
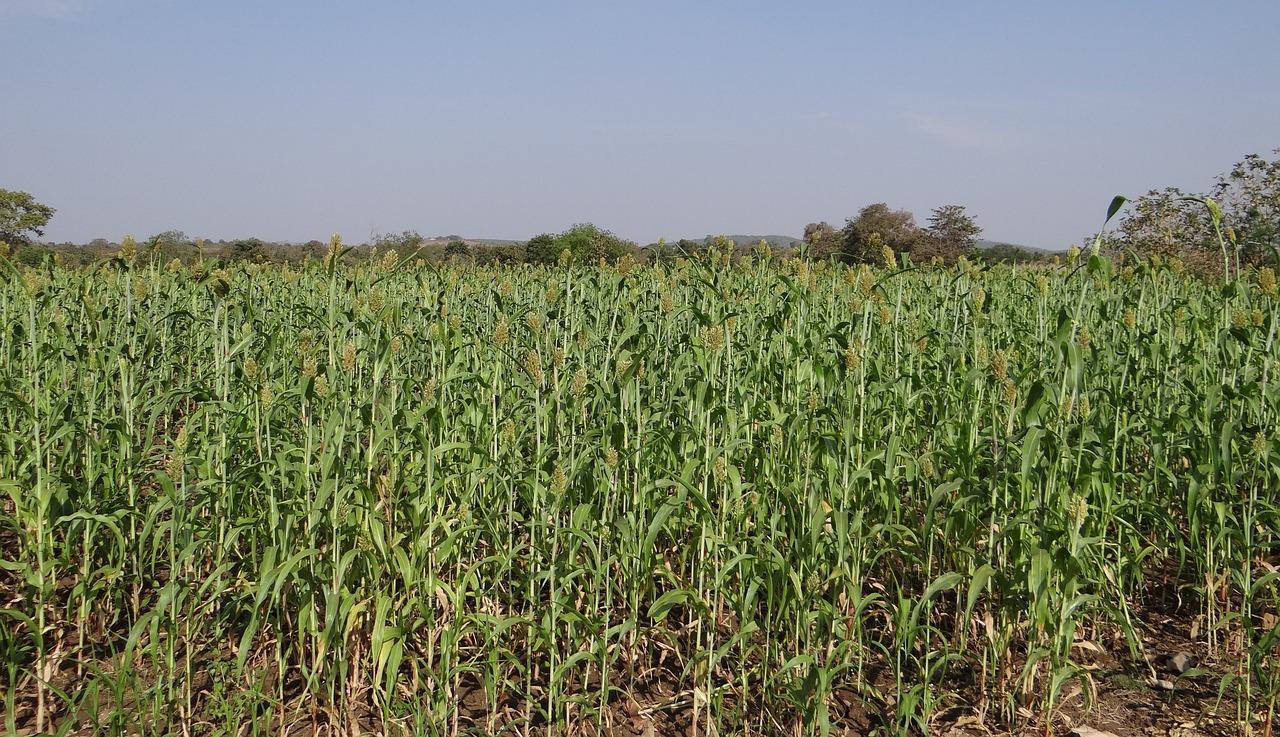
pixel 492 241
pixel 984 244
pixel 446 239
pixel 777 241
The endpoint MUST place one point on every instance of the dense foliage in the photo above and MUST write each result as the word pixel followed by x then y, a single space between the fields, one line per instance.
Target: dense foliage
pixel 22 216
pixel 737 497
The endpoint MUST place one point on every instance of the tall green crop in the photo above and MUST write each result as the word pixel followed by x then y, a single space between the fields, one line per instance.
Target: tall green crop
pixel 737 497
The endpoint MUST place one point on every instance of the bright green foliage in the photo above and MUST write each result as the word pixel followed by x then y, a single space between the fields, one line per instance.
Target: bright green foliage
pixel 540 249
pixel 21 216
pixel 423 501
pixel 588 244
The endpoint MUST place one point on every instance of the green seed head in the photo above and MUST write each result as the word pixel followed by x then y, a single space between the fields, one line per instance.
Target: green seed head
pixel 621 368
pixel 32 282
pixel 853 355
pixel 559 482
pixel 866 280
pixel 533 364
pixel 1079 510
pixel 128 249
pixel 999 366
pixel 1267 281
pixel 890 258
pixel 335 249
pixel 502 332
pixel 713 337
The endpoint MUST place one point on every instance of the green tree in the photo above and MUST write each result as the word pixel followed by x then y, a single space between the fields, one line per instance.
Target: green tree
pixel 170 244
pixel 22 217
pixel 403 243
pixel 588 243
pixel 824 240
pixel 1166 222
pixel 1250 199
pixel 688 247
pixel 541 249
pixel 895 228
pixel 248 249
pixel 458 249
pixel 952 233
pixel 505 255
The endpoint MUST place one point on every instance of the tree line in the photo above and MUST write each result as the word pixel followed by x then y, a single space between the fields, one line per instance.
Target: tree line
pixel 951 233
pixel 1238 218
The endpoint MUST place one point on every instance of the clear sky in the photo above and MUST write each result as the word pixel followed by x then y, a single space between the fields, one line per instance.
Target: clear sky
pixel 290 120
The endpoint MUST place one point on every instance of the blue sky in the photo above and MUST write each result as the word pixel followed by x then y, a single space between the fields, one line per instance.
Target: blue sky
pixel 291 120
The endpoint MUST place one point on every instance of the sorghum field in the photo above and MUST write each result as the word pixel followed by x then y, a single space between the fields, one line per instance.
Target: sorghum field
pixel 711 497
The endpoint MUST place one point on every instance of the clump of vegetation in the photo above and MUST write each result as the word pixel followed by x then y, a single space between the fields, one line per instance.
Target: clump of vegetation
pixel 716 494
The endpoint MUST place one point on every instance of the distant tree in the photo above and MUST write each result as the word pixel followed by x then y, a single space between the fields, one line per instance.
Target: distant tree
pixel 689 247
pixel 541 249
pixel 588 243
pixel 458 249
pixel 169 244
pixel 895 228
pixel 952 233
pixel 1165 223
pixel 1008 253
pixel 824 240
pixel 314 249
pixel 505 255
pixel 1250 199
pixel 402 243
pixel 168 238
pixel 249 249
pixel 22 217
